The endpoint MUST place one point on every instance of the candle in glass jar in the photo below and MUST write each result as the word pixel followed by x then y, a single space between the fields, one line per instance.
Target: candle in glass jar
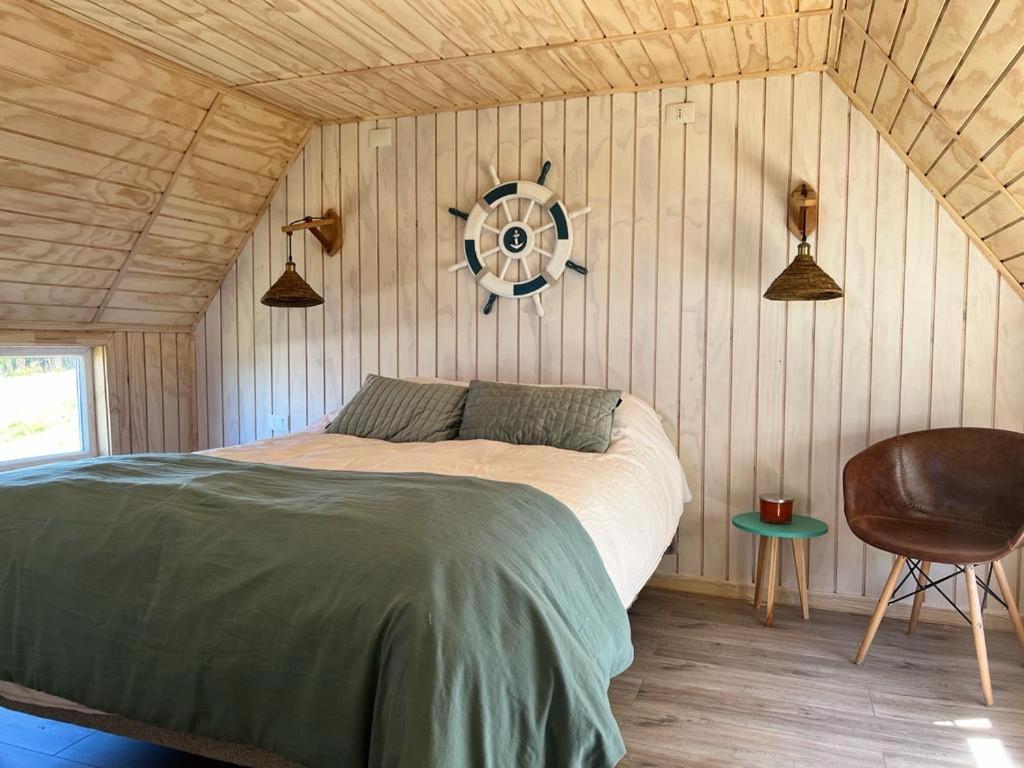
pixel 776 509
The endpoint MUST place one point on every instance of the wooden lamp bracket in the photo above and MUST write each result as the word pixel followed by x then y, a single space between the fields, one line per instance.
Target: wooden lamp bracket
pixel 326 229
pixel 803 210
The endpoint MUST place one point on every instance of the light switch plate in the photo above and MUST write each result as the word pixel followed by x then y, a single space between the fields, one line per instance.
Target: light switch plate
pixel 680 113
pixel 380 137
pixel 278 423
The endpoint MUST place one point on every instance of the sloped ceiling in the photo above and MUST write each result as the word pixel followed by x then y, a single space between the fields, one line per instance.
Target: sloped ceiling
pixel 344 60
pixel 128 180
pixel 126 184
pixel 944 81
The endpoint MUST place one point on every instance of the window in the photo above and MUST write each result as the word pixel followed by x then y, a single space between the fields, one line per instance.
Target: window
pixel 46 405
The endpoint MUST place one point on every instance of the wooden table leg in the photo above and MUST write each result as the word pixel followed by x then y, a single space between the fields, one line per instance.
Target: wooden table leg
pixel 1011 602
pixel 915 612
pixel 773 577
pixel 883 603
pixel 978 628
pixel 762 543
pixel 800 563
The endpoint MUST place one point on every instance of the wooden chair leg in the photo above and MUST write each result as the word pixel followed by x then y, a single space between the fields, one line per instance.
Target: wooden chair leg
pixel 978 628
pixel 915 612
pixel 773 577
pixel 883 603
pixel 762 543
pixel 1011 602
pixel 800 563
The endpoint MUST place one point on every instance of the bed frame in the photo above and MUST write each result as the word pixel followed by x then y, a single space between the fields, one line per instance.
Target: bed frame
pixel 228 752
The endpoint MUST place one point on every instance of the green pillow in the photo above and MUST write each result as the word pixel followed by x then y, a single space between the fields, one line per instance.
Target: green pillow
pixel 402 411
pixel 574 418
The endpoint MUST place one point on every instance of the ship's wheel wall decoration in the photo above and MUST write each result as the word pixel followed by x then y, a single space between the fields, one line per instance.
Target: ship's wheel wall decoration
pixel 516 241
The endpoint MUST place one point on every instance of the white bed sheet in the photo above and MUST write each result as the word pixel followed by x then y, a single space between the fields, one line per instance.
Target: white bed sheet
pixel 629 499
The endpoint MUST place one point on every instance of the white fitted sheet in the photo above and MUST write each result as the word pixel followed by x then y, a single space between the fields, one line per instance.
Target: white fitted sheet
pixel 629 499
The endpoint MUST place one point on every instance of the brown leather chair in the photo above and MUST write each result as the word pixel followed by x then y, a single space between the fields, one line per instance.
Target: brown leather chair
pixel 951 496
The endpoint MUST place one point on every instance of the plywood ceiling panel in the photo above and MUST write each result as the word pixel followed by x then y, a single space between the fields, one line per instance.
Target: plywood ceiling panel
pixel 126 183
pixel 943 79
pixel 139 165
pixel 348 60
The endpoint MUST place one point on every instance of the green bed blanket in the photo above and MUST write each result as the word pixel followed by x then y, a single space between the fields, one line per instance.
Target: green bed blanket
pixel 340 619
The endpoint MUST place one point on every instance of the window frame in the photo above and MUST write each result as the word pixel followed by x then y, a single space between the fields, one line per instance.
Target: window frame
pixel 86 399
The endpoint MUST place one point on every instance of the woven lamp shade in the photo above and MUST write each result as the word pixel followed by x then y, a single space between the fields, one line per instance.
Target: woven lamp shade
pixel 803 280
pixel 290 290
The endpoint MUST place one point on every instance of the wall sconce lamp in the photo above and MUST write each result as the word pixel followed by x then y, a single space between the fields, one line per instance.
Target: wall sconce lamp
pixel 290 290
pixel 803 279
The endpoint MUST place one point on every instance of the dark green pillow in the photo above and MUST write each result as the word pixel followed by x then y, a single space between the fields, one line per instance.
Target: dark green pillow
pixel 402 411
pixel 574 418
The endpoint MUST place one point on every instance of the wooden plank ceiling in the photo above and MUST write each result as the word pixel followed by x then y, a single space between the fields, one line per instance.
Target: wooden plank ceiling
pixel 130 177
pixel 126 184
pixel 345 60
pixel 944 81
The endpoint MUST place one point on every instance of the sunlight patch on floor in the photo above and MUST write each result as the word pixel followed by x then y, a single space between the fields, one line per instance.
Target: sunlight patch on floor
pixel 989 753
pixel 975 723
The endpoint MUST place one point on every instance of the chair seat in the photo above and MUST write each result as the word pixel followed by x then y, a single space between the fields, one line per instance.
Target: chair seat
pixel 934 541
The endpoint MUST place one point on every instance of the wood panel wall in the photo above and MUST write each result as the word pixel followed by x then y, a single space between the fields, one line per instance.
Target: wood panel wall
pixel 151 392
pixel 687 230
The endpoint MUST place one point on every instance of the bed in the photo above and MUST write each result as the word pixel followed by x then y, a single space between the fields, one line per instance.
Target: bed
pixel 568 540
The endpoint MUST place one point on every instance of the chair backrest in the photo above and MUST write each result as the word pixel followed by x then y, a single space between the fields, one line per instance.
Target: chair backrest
pixel 964 474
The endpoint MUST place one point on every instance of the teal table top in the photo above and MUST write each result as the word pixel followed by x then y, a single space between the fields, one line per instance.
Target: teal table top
pixel 802 527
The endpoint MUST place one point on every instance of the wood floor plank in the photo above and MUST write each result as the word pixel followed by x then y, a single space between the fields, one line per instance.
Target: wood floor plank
pixel 719 689
pixel 711 687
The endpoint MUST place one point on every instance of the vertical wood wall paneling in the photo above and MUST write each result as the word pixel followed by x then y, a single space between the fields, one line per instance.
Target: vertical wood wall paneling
pixel 152 398
pixel 599 154
pixel 693 327
pixel 718 333
pixel 770 377
pixel 744 443
pixel 797 445
pixel 316 266
pixel 826 393
pixel 687 230
pixel 887 320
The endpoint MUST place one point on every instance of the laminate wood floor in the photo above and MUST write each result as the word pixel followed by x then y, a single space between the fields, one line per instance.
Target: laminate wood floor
pixel 711 687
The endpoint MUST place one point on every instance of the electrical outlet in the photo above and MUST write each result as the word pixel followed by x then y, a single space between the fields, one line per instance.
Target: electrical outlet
pixel 380 137
pixel 278 423
pixel 680 113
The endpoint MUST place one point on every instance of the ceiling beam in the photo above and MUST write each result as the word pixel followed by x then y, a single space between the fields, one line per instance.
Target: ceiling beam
pixel 584 92
pixel 341 74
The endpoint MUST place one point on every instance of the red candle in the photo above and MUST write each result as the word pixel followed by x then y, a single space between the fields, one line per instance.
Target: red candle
pixel 776 509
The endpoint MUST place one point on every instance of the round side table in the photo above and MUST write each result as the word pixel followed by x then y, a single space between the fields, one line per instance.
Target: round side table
pixel 798 531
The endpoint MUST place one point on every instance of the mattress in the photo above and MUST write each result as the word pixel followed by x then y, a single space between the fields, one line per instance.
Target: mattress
pixel 629 499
